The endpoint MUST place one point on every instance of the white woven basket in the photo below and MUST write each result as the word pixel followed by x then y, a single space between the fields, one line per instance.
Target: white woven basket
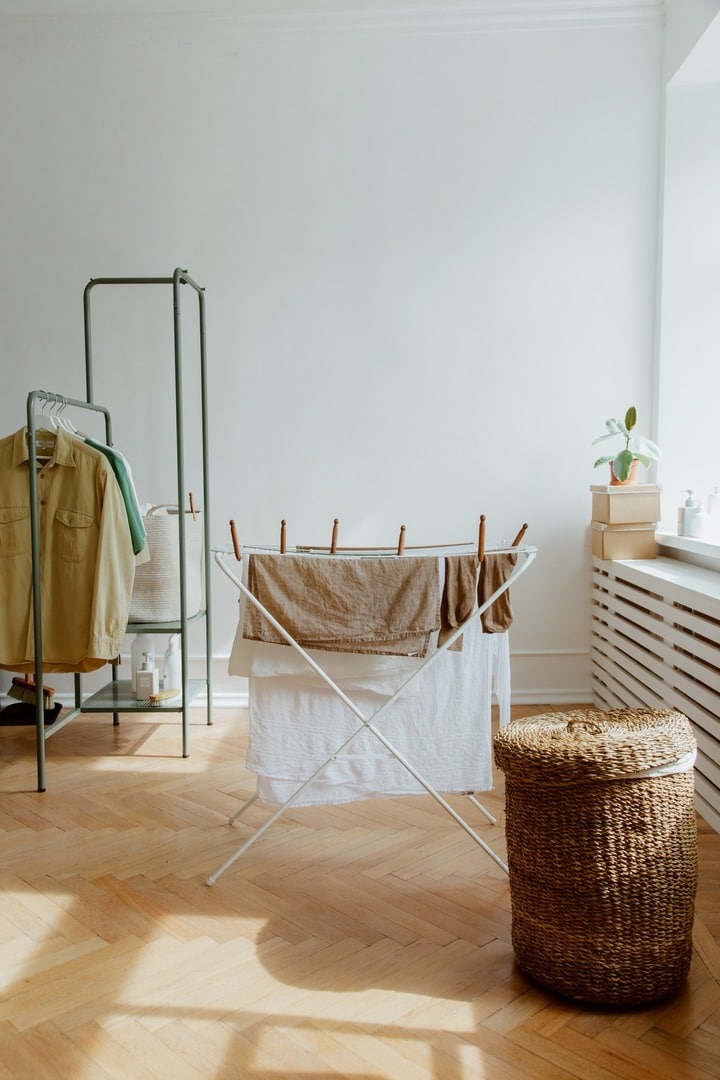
pixel 156 592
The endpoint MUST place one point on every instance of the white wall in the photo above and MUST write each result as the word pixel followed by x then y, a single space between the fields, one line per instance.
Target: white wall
pixel 428 256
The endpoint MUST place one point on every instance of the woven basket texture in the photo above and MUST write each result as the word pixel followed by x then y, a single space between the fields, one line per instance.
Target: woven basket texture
pixel 156 590
pixel 603 868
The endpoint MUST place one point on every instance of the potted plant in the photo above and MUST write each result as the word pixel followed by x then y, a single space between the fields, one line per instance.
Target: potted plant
pixel 636 448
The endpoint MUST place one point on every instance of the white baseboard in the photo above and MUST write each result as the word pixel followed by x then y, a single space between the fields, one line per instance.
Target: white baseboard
pixel 539 677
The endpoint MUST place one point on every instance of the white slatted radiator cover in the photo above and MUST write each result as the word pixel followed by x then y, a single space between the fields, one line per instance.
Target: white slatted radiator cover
pixel 655 643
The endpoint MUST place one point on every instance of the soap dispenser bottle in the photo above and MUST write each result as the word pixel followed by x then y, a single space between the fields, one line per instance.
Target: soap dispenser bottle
pixel 142 644
pixel 172 665
pixel 146 680
pixel 686 512
pixel 699 523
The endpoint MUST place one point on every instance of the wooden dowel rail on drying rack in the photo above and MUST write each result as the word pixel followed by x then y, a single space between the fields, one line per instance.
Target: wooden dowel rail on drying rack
pixel 334 549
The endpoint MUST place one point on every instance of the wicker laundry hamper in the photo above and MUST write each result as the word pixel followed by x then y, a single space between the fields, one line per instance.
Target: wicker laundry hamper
pixel 602 851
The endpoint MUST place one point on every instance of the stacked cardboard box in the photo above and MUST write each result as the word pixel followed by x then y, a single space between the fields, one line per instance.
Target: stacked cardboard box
pixel 624 519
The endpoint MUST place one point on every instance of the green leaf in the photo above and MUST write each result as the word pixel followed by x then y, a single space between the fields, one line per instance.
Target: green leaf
pixel 621 465
pixel 630 418
pixel 603 460
pixel 640 445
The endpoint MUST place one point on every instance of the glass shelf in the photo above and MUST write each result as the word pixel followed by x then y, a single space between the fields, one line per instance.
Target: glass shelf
pixel 118 697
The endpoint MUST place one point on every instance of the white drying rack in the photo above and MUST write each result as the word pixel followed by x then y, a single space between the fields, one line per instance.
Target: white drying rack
pixel 525 555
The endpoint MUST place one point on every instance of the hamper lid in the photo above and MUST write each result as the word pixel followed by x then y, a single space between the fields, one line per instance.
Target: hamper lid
pixel 590 745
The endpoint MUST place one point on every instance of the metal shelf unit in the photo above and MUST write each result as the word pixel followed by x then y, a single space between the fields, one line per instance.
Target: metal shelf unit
pixel 191 688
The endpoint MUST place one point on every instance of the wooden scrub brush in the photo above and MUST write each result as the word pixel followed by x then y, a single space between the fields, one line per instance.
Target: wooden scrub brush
pixel 25 690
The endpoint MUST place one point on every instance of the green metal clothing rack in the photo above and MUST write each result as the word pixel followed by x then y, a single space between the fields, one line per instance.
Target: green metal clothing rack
pixel 117 696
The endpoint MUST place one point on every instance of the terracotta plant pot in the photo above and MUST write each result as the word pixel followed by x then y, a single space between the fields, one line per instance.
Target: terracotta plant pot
pixel 632 478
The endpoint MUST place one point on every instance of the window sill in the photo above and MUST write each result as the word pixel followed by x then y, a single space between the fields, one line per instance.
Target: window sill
pixel 704 553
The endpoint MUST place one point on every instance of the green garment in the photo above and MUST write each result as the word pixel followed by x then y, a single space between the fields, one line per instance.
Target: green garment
pixel 124 478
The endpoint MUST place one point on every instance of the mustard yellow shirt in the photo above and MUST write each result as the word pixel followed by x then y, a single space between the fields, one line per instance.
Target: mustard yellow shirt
pixel 87 565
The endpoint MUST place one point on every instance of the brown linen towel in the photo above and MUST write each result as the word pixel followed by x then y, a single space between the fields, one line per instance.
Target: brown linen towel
pixel 366 605
pixel 459 596
pixel 496 569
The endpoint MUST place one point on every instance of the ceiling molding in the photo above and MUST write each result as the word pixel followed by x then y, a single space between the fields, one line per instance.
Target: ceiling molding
pixel 219 18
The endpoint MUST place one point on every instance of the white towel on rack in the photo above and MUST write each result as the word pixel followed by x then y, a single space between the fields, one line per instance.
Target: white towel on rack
pixel 443 729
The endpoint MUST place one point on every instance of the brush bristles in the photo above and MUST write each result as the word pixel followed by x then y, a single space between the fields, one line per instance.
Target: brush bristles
pixel 163 697
pixel 24 690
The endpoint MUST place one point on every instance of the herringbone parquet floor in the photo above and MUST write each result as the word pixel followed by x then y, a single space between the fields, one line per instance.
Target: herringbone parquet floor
pixel 364 941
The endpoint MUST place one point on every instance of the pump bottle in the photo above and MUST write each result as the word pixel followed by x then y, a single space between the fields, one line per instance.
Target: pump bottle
pixel 146 680
pixel 699 523
pixel 172 665
pixel 692 520
pixel 142 644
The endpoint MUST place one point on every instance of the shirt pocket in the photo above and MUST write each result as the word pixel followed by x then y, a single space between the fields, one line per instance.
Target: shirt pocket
pixel 72 534
pixel 14 530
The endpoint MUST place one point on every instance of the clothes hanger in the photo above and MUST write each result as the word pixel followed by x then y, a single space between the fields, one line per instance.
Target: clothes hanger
pixel 65 422
pixel 45 432
pixel 45 419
